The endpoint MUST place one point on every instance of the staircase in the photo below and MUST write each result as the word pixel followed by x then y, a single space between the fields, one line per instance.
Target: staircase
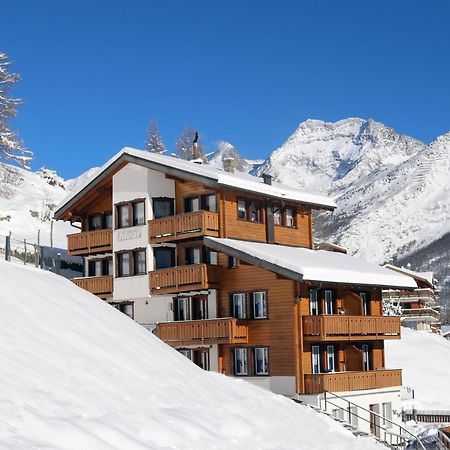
pixel 400 439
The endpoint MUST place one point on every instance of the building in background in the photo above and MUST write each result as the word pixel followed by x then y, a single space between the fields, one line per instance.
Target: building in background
pixel 417 308
pixel 222 266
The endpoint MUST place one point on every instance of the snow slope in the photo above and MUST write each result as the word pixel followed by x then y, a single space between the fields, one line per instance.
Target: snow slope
pixel 425 360
pixel 78 374
pixel 27 200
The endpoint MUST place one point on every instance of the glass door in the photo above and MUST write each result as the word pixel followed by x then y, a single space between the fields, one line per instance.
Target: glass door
pixel 315 349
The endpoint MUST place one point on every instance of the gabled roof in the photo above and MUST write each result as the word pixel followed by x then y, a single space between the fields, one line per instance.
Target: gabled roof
pixel 303 264
pixel 425 277
pixel 205 174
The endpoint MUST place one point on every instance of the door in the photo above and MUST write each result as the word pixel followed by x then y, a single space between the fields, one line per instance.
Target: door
pixel 164 257
pixel 365 307
pixel 331 365
pixel 374 420
pixel 199 308
pixel 329 309
pixel 366 356
pixel 313 302
pixel 315 351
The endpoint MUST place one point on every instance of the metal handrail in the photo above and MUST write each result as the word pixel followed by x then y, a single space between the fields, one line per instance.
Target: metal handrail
pixel 419 444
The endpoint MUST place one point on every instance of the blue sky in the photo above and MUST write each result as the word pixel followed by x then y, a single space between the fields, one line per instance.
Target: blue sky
pixel 95 72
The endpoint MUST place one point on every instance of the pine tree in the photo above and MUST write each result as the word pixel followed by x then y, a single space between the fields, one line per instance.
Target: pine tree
pixel 185 145
pixel 11 148
pixel 154 142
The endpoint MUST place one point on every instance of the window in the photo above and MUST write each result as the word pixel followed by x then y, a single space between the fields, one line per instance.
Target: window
pixel 365 303
pixel 199 308
pixel 277 220
pixel 123 216
pixel 100 267
pixel 331 367
pixel 261 361
pixel 387 414
pixel 329 302
pixel 242 210
pixel 193 255
pixel 211 257
pixel 209 202
pixel 259 305
pixel 354 416
pixel 164 257
pixel 140 266
pixel 185 352
pixel 125 307
pixel 182 308
pixel 107 220
pixel 232 262
pixel 162 207
pixel 200 357
pixel 130 214
pixel 254 212
pixel 315 350
pixel 124 266
pixel 240 361
pixel 191 204
pixel 313 302
pixel 366 356
pixel 138 213
pixel 289 220
pixel 132 262
pixel 95 222
pixel 239 306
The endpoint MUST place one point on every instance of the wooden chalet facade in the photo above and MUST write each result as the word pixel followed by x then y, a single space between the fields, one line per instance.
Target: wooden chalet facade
pixel 161 240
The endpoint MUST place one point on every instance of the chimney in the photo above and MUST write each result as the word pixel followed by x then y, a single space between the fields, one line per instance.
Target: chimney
pixel 195 152
pixel 228 164
pixel 267 178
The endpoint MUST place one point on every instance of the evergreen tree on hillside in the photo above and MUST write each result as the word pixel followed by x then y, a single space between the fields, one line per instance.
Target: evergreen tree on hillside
pixel 154 142
pixel 185 146
pixel 11 148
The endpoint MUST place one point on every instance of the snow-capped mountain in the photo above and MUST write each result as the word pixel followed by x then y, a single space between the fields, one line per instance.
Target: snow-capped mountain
pixel 392 191
pixel 27 200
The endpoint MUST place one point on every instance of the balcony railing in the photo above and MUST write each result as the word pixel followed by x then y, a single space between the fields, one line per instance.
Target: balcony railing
pixel 101 286
pixel 184 279
pixel 425 294
pixel 183 226
pixel 211 331
pixel 421 313
pixel 352 381
pixel 345 328
pixel 89 242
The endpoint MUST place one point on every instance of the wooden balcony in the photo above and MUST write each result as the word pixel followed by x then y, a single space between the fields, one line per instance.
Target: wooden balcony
pixel 350 328
pixel 183 226
pixel 184 279
pixel 352 381
pixel 211 331
pixel 89 242
pixel 430 314
pixel 100 286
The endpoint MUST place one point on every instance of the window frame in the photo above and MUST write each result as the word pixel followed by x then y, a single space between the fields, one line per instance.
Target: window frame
pixel 102 261
pixel 281 209
pixel 266 301
pixel 117 306
pixel 169 200
pixel 132 268
pixel 255 365
pixel 245 352
pixel 245 308
pixel 233 262
pixel 130 205
pixel 173 256
pixel 248 213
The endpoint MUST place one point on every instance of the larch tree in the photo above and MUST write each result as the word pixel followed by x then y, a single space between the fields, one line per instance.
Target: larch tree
pixel 154 142
pixel 11 147
pixel 189 147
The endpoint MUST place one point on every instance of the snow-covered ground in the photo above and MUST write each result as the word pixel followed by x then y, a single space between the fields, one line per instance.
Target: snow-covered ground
pixel 78 374
pixel 425 360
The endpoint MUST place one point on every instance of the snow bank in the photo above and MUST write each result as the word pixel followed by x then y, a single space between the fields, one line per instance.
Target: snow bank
pixel 425 360
pixel 78 374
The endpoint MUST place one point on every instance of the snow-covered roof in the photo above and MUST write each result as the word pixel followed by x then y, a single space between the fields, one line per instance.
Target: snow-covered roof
pixel 304 264
pixel 205 174
pixel 426 277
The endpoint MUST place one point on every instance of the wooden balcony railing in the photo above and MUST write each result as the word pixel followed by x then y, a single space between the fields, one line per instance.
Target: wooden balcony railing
pixel 183 226
pixel 101 286
pixel 89 242
pixel 345 328
pixel 184 279
pixel 424 294
pixel 211 331
pixel 352 381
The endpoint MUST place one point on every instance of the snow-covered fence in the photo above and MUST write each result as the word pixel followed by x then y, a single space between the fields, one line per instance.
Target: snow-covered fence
pixel 426 416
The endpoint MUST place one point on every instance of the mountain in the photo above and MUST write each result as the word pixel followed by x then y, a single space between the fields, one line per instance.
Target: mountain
pixel 27 200
pixel 392 190
pixel 79 374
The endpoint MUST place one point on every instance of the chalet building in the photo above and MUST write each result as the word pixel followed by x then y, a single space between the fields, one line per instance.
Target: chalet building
pixel 417 308
pixel 222 267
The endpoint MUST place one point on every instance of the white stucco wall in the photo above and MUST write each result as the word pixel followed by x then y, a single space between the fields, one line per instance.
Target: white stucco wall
pixel 278 385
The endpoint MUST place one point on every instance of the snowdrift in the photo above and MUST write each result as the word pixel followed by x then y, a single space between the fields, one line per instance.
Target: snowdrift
pixel 78 374
pixel 425 360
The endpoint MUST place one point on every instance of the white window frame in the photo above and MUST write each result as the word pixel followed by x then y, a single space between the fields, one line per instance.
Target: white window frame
pixel 263 354
pixel 387 414
pixel 241 355
pixel 263 299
